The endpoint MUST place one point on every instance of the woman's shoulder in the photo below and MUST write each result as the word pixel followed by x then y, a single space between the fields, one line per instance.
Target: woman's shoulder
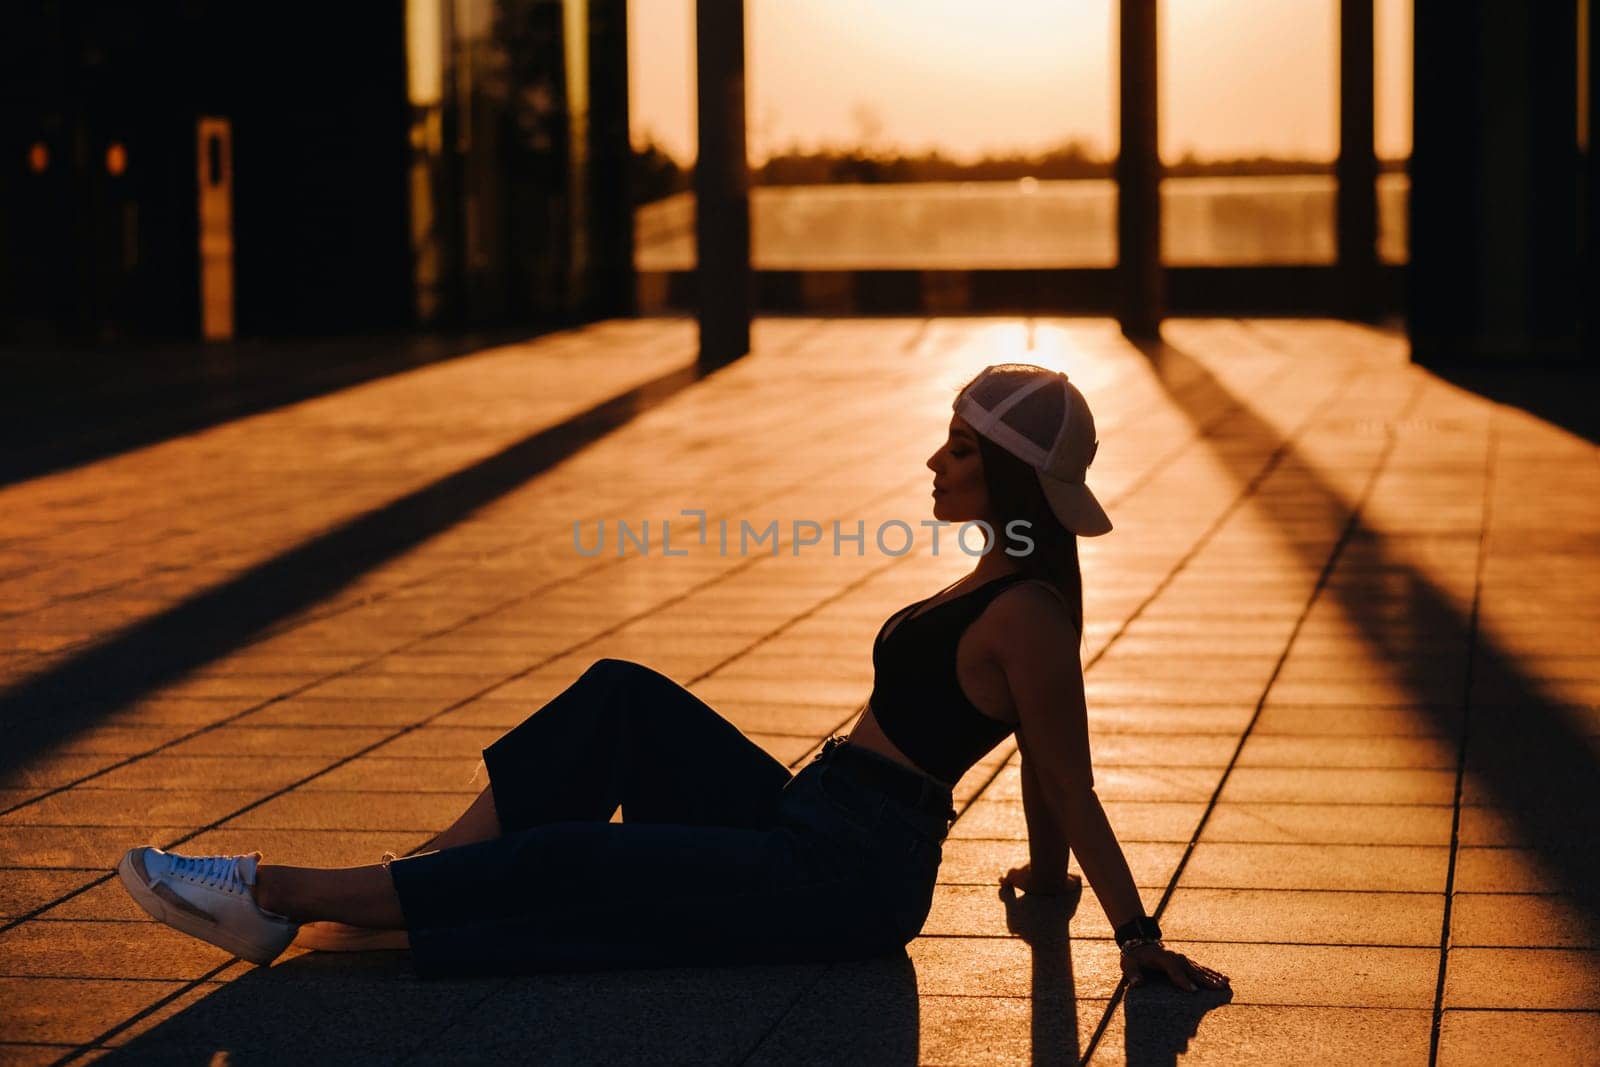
pixel 1033 593
pixel 1029 632
pixel 1029 601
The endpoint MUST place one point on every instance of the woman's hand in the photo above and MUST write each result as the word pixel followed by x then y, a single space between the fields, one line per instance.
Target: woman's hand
pixel 1025 880
pixel 1148 957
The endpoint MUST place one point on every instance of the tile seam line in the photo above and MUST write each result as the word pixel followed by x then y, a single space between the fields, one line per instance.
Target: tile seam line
pixel 143 1013
pixel 427 1040
pixel 774 733
pixel 1285 448
pixel 24 976
pixel 1485 517
pixel 1246 1004
pixel 782 1014
pixel 1107 941
pixel 1534 1011
pixel 1250 889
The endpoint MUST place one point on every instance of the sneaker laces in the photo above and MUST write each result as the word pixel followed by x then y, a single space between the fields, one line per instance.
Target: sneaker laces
pixel 216 872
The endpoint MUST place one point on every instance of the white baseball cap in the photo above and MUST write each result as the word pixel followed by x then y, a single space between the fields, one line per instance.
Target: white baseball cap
pixel 1038 416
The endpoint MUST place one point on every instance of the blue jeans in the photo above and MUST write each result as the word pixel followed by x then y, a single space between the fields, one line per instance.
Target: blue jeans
pixel 722 857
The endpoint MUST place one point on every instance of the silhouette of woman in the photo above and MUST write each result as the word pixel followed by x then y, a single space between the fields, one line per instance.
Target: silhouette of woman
pixel 723 856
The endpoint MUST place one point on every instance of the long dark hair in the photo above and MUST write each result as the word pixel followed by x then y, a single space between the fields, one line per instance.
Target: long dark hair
pixel 1014 493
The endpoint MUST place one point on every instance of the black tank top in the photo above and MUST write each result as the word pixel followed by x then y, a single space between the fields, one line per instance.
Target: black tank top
pixel 916 693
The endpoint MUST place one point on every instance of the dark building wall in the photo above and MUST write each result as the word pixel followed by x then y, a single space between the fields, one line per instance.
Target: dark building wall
pixel 86 252
pixel 610 206
pixel 353 206
pixel 1591 203
pixel 317 98
pixel 1497 189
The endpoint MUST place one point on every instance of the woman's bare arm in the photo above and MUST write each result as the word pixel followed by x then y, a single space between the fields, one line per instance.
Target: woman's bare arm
pixel 1053 734
pixel 1049 848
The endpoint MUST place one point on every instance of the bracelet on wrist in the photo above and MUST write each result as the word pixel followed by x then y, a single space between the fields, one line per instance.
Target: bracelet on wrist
pixel 1140 942
pixel 1143 928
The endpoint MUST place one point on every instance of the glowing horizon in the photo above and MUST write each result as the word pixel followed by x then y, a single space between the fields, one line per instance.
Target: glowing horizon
pixel 967 79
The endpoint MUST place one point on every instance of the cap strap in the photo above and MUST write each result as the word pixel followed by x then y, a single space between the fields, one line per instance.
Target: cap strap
pixel 1061 433
pixel 1000 433
pixel 1017 397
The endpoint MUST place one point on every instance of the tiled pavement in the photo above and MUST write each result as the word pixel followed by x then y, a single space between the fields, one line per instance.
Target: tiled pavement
pixel 1343 673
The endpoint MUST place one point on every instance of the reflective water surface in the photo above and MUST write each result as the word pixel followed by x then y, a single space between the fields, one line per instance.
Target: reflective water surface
pixel 1229 221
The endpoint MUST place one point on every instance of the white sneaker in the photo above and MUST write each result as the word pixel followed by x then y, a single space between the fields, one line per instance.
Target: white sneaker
pixel 209 897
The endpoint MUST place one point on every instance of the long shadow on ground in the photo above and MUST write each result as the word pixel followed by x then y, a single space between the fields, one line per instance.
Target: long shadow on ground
pixel 1564 396
pixel 369 1008
pixel 1528 750
pixel 67 405
pixel 52 706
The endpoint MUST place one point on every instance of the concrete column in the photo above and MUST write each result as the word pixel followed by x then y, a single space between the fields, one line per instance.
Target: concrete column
pixel 1590 302
pixel 1357 167
pixel 1495 177
pixel 1140 279
pixel 610 199
pixel 722 185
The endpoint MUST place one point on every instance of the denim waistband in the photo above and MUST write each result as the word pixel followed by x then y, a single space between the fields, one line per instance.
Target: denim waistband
pixel 910 787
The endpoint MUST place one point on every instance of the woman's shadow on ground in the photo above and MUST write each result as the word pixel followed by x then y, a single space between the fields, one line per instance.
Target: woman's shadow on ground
pixel 370 1007
pixel 1157 1019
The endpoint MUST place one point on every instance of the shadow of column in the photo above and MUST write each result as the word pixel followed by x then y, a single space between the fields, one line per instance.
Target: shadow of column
pixel 1521 744
pixel 51 706
pixel 146 393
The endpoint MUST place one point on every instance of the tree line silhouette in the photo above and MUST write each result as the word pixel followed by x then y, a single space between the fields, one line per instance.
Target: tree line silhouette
pixel 658 174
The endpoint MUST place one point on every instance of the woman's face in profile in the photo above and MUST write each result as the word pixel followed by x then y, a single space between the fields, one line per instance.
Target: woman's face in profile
pixel 959 493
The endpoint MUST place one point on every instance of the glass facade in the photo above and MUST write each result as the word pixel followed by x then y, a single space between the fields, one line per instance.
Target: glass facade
pixel 1392 21
pixel 1248 161
pixel 931 134
pixel 846 106
pixel 484 162
pixel 492 171
pixel 429 162
pixel 663 135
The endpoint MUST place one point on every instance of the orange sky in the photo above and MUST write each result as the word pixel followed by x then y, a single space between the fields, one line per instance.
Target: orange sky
pixel 1239 77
